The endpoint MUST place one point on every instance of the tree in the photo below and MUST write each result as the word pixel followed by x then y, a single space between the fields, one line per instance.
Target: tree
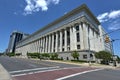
pixel 104 55
pixel 75 55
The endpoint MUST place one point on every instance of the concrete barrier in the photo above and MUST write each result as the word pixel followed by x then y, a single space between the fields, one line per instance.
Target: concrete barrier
pixel 4 75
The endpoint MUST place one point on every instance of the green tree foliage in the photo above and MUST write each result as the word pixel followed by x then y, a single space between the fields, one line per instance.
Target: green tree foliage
pixel 104 55
pixel 75 55
pixel 10 54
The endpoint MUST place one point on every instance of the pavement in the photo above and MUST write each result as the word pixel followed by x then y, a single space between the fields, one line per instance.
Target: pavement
pixel 4 75
pixel 87 64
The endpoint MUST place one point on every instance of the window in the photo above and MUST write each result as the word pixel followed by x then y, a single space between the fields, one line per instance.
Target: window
pixel 77 27
pixel 84 56
pixel 78 37
pixel 68 49
pixel 78 46
pixel 63 42
pixel 91 55
pixel 68 41
pixel 62 49
pixel 68 33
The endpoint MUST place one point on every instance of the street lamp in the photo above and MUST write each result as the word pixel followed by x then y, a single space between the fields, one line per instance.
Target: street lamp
pixel 89 57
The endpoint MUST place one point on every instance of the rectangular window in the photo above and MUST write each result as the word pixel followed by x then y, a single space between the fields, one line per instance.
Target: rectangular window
pixel 77 28
pixel 68 48
pixel 78 37
pixel 62 49
pixel 63 42
pixel 78 46
pixel 84 56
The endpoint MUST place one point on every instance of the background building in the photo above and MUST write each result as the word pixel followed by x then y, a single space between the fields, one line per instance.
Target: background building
pixel 15 37
pixel 77 30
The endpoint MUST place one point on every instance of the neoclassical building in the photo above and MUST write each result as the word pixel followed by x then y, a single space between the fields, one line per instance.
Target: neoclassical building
pixel 77 30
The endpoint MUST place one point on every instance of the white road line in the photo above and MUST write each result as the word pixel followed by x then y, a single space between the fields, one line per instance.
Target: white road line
pixel 34 72
pixel 43 71
pixel 33 69
pixel 77 74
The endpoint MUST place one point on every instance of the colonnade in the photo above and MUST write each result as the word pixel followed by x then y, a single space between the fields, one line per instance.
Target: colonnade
pixel 68 38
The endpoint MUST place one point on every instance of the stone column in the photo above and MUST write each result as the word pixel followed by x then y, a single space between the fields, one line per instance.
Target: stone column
pixel 33 47
pixel 52 42
pixel 56 46
pixel 74 42
pixel 37 46
pixel 44 44
pixel 46 47
pixel 65 39
pixel 85 30
pixel 81 36
pixel 61 41
pixel 41 46
pixel 71 39
pixel 49 44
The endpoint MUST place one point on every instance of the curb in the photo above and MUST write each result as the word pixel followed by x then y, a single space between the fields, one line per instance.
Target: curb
pixel 4 75
pixel 87 65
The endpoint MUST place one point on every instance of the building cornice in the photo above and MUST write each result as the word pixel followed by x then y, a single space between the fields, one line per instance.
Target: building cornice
pixel 81 8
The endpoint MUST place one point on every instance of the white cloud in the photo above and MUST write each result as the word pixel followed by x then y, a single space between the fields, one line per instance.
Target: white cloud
pixel 37 5
pixel 103 17
pixel 114 14
pixel 109 15
pixel 114 25
pixel 112 18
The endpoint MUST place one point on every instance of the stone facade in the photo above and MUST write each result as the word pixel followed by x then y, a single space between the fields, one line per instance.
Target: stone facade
pixel 77 30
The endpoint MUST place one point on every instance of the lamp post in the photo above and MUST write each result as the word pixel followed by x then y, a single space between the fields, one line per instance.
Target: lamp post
pixel 89 58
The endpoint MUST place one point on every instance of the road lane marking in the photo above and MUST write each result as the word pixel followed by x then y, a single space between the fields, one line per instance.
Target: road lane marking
pixel 33 69
pixel 43 71
pixel 77 74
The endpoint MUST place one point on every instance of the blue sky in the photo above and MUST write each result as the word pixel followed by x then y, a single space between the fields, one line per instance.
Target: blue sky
pixel 30 15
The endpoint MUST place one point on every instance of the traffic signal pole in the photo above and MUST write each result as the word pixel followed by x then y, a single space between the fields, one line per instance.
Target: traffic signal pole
pixel 107 40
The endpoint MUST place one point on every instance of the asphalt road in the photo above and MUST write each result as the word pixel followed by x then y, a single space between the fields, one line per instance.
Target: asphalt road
pixel 19 66
pixel 53 70
pixel 98 75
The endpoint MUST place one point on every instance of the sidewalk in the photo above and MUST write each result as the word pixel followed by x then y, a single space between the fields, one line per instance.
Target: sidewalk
pixel 87 64
pixel 4 75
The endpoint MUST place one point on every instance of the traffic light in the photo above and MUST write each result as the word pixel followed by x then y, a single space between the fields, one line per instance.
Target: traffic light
pixel 107 40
